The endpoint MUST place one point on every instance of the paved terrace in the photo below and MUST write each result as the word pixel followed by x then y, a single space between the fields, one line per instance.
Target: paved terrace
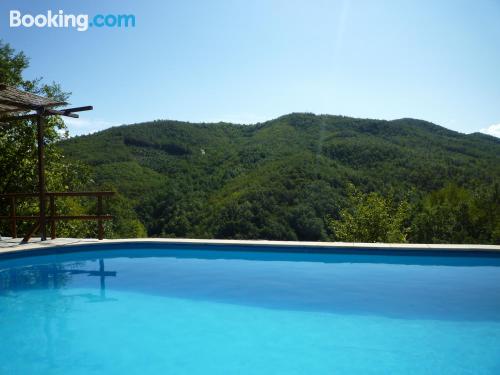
pixel 9 245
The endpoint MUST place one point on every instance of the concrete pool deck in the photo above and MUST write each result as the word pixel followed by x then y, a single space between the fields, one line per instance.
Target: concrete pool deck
pixel 10 245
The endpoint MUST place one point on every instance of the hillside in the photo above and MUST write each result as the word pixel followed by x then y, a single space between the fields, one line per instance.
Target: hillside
pixel 280 179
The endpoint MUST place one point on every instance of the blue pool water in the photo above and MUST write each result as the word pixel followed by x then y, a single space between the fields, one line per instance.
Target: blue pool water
pixel 189 311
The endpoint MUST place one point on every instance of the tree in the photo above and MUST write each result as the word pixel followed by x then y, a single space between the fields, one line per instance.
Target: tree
pixel 18 160
pixel 454 214
pixel 371 218
pixel 18 139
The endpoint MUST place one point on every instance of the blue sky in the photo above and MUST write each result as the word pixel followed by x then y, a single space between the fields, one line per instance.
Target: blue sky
pixel 250 61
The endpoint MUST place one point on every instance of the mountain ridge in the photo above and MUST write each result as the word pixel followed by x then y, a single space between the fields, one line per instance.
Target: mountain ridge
pixel 183 178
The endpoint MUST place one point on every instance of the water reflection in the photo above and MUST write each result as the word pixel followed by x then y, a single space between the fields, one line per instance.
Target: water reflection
pixel 449 289
pixel 52 276
pixel 37 303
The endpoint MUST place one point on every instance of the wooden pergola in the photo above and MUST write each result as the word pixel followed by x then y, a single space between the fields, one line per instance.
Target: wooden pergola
pixel 16 105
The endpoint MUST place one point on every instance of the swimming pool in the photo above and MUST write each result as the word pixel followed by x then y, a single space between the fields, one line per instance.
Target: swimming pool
pixel 165 309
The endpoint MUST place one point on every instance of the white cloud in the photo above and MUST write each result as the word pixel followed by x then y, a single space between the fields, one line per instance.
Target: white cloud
pixel 493 130
pixel 79 126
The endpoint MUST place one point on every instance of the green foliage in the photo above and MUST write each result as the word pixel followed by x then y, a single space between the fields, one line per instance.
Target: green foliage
pixel 125 223
pixel 457 215
pixel 18 162
pixel 18 139
pixel 371 218
pixel 282 179
pixel 18 154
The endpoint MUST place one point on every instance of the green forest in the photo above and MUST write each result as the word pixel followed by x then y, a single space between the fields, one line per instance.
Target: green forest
pixel 298 177
pixel 302 177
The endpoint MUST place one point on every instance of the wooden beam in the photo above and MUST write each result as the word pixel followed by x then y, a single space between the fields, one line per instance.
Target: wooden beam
pixel 29 116
pixel 13 223
pixel 100 227
pixel 57 112
pixel 78 109
pixel 31 232
pixel 47 112
pixel 41 174
pixel 52 215
pixel 67 112
pixel 18 105
pixel 19 98
pixel 52 218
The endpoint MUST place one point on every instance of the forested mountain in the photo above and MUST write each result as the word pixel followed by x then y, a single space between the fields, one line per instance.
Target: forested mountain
pixel 298 177
pixel 291 177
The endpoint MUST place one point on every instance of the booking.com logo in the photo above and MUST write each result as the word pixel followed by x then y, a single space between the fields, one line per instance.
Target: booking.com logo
pixel 80 22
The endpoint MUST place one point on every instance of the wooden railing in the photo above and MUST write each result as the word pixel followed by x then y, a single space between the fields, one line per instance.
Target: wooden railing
pixel 52 218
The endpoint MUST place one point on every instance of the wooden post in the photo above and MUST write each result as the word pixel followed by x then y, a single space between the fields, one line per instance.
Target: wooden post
pixel 33 230
pixel 99 219
pixel 41 173
pixel 52 217
pixel 13 222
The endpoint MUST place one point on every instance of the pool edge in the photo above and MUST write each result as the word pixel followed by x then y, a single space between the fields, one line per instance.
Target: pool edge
pixel 13 248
